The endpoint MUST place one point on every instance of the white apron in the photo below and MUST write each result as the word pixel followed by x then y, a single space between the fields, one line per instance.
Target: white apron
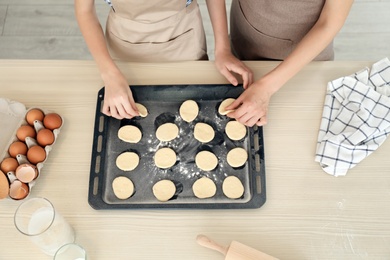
pixel 155 30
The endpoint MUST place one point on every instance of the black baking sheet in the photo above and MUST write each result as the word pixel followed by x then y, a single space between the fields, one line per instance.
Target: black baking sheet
pixel 163 102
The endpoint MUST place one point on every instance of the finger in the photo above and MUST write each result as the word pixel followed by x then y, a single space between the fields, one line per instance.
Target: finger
pixel 262 121
pixel 130 109
pixel 106 110
pixel 252 121
pixel 246 78
pixel 129 104
pixel 229 76
pixel 240 112
pixel 114 112
pixel 236 69
pixel 243 72
pixel 250 82
pixel 124 114
pixel 244 119
pixel 236 103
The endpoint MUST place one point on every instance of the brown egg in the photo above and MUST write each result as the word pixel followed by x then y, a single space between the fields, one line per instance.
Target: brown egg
pixel 36 154
pixel 26 172
pixel 4 185
pixel 16 148
pixel 45 137
pixel 34 114
pixel 24 131
pixel 18 190
pixel 52 121
pixel 9 165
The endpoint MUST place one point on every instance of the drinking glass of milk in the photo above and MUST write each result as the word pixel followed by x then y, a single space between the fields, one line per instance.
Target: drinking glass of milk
pixel 70 251
pixel 37 219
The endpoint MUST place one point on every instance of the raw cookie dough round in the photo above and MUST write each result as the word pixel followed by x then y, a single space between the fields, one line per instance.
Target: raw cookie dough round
pixel 204 188
pixel 127 161
pixel 203 132
pixel 167 132
pixel 206 161
pixel 189 110
pixel 232 187
pixel 222 107
pixel 143 112
pixel 237 157
pixel 130 134
pixel 164 190
pixel 235 130
pixel 123 187
pixel 165 158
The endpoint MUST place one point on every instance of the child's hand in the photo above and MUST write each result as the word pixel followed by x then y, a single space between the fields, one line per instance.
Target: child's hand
pixel 118 99
pixel 226 63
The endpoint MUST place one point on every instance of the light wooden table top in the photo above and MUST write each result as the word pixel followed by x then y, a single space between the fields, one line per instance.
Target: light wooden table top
pixel 308 214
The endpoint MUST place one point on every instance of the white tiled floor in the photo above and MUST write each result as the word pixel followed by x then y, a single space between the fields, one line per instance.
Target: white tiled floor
pixel 47 29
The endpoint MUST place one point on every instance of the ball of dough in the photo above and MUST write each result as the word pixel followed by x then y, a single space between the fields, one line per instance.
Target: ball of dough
pixel 203 132
pixel 164 190
pixel 123 187
pixel 189 110
pixel 167 132
pixel 165 158
pixel 204 188
pixel 237 157
pixel 222 107
pixel 130 134
pixel 232 187
pixel 127 161
pixel 143 112
pixel 206 161
pixel 235 130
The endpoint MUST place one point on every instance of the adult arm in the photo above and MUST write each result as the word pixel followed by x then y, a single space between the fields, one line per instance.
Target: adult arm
pixel 118 99
pixel 225 61
pixel 252 106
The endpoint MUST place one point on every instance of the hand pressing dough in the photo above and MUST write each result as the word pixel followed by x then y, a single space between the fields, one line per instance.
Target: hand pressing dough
pixel 232 187
pixel 130 134
pixel 237 157
pixel 203 132
pixel 206 160
pixel 167 132
pixel 235 130
pixel 127 161
pixel 165 158
pixel 204 188
pixel 143 112
pixel 164 190
pixel 222 107
pixel 123 187
pixel 189 110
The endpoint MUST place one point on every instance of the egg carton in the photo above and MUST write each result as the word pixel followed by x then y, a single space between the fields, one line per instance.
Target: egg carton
pixel 12 116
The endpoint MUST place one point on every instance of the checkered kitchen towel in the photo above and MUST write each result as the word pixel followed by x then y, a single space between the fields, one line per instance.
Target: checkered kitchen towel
pixel 355 119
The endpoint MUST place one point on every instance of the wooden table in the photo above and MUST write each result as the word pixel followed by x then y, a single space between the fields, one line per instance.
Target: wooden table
pixel 308 214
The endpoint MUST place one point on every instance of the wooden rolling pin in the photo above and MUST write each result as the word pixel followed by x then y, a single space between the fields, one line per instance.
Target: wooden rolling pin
pixel 236 250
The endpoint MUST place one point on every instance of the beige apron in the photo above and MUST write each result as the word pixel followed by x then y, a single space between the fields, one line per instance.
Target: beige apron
pixel 155 30
pixel 271 29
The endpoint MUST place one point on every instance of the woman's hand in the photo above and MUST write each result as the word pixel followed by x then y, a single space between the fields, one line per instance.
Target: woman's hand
pixel 251 107
pixel 118 99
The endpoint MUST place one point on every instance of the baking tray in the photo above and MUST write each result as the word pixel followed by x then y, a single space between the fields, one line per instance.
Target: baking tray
pixel 163 102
